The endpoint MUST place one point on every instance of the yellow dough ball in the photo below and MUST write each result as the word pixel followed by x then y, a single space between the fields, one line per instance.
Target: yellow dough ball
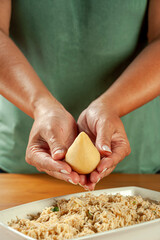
pixel 82 155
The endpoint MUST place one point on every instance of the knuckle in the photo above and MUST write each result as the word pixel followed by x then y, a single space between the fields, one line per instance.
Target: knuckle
pixel 105 126
pixel 30 151
pixel 55 145
pixel 52 140
pixel 82 121
pixel 102 121
pixel 48 128
pixel 104 139
pixel 28 157
pixel 128 148
pixel 90 111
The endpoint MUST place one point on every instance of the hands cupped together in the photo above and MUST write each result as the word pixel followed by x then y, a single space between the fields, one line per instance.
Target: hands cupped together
pixel 54 130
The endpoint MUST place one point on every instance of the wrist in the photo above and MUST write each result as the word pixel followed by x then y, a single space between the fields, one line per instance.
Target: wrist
pixel 44 104
pixel 110 103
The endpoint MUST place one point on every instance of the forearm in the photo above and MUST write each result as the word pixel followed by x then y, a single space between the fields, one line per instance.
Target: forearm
pixel 139 83
pixel 19 83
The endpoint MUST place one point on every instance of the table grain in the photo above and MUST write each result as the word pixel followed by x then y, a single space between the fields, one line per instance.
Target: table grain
pixel 17 189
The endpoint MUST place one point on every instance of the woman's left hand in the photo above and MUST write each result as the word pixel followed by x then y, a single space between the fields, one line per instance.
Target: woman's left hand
pixel 106 130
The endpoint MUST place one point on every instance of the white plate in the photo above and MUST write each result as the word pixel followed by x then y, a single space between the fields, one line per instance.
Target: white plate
pixel 143 231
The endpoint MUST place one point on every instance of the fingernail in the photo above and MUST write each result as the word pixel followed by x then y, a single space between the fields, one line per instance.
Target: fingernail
pixel 104 170
pixel 80 185
pixel 98 180
pixel 72 182
pixel 64 171
pixel 86 188
pixel 106 148
pixel 58 151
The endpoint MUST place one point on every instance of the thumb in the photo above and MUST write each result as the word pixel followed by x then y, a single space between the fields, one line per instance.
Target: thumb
pixel 103 140
pixel 57 148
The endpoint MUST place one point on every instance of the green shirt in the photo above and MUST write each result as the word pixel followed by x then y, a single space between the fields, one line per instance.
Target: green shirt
pixel 79 48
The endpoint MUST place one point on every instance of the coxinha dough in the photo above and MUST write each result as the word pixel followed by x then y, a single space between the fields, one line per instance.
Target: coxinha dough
pixel 82 155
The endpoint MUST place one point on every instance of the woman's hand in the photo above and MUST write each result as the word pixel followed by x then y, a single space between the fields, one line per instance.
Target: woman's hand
pixel 53 131
pixel 106 130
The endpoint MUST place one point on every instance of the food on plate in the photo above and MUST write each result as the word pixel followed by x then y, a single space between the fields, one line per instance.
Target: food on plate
pixel 82 155
pixel 87 214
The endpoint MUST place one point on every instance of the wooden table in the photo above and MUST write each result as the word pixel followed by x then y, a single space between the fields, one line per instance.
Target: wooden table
pixel 17 189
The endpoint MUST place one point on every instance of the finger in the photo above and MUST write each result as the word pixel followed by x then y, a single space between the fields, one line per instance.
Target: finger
pixel 74 177
pixel 83 127
pixel 43 160
pixel 83 180
pixel 95 176
pixel 89 186
pixel 105 163
pixel 120 150
pixel 107 172
pixel 56 145
pixel 71 178
pixel 103 140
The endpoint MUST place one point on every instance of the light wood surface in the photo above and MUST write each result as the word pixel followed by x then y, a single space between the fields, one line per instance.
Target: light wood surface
pixel 17 189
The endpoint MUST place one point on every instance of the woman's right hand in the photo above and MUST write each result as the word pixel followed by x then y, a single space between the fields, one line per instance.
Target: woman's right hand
pixel 53 131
